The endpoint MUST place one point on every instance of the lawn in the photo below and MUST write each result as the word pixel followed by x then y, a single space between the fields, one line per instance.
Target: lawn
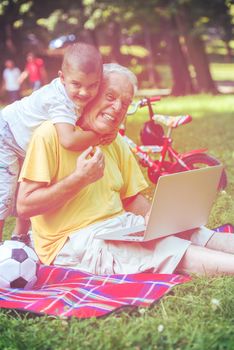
pixel 198 315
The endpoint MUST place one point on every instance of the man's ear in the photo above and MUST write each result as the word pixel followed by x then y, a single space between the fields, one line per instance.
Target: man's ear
pixel 61 76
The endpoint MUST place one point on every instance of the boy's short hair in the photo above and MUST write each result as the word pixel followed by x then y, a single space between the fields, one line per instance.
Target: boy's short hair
pixel 117 68
pixel 84 56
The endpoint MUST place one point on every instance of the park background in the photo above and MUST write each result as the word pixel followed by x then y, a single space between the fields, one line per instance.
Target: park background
pixel 184 51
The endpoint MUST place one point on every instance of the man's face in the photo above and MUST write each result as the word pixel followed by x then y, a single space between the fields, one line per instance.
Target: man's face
pixel 81 87
pixel 109 108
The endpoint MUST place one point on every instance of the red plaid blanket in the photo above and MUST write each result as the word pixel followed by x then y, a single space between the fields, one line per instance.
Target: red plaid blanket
pixel 66 292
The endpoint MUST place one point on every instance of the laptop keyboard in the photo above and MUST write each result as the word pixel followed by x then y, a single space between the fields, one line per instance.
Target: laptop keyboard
pixel 136 234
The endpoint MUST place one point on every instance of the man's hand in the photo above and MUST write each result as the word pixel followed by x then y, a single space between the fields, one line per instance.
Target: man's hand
pixel 90 165
pixel 35 198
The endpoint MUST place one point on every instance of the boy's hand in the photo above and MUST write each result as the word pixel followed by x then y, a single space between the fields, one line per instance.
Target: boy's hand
pixel 108 138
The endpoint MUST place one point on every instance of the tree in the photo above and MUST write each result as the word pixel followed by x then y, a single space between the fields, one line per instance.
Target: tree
pixel 182 82
pixel 149 18
pixel 194 19
pixel 182 24
pixel 18 18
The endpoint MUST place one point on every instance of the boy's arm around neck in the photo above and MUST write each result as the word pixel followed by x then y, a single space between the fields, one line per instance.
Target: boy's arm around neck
pixel 76 139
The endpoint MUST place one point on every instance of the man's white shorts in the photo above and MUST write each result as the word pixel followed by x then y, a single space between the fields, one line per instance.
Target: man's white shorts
pixel 84 252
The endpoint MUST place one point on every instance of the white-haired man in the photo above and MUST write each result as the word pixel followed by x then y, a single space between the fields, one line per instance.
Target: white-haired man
pixel 70 196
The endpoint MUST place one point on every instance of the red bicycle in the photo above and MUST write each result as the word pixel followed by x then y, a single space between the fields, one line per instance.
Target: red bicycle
pixel 156 141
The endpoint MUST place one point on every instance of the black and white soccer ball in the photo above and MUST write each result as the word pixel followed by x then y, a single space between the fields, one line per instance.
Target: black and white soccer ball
pixel 18 265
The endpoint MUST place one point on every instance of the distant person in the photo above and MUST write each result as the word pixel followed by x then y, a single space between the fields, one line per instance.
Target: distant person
pixel 35 71
pixel 62 102
pixel 11 83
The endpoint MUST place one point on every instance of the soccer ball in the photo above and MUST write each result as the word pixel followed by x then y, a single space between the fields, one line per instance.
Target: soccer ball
pixel 18 265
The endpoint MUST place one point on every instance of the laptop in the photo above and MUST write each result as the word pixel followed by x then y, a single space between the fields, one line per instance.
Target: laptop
pixel 182 201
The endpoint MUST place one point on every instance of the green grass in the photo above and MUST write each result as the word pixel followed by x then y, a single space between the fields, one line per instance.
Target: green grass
pixel 222 71
pixel 198 315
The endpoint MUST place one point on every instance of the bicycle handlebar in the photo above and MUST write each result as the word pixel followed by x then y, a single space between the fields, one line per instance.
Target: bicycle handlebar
pixel 146 101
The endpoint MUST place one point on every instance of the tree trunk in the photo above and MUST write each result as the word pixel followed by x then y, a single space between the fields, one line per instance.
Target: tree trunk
pixel 6 40
pixel 182 82
pixel 115 41
pixel 10 46
pixel 196 54
pixel 150 60
pixel 228 57
pixel 89 36
pixel 201 65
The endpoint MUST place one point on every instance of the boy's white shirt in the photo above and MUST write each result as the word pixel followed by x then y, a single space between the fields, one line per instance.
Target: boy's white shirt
pixel 50 102
pixel 11 77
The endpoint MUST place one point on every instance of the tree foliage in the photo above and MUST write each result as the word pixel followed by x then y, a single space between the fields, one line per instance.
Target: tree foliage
pixel 171 31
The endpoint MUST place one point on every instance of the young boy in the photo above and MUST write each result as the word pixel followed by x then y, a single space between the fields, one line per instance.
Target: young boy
pixel 61 101
pixel 35 71
pixel 11 84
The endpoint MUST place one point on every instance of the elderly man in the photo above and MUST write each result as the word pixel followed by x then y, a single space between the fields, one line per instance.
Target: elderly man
pixel 70 196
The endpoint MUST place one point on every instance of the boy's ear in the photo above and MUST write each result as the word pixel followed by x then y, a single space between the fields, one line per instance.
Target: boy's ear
pixel 61 76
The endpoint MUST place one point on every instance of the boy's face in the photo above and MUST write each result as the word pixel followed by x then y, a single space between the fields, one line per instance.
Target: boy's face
pixel 9 64
pixel 81 87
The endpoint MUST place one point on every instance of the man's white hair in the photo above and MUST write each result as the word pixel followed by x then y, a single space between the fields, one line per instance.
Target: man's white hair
pixel 117 68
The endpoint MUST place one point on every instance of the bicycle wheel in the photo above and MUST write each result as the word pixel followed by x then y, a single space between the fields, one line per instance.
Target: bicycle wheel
pixel 199 160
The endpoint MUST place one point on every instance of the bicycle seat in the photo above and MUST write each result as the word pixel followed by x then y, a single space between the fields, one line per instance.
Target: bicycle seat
pixel 172 122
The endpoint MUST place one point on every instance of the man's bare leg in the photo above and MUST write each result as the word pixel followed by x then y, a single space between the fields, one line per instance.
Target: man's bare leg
pixel 205 261
pixel 222 241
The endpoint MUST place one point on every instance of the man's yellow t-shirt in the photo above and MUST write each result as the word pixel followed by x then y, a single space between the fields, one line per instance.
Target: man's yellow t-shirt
pixel 47 161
